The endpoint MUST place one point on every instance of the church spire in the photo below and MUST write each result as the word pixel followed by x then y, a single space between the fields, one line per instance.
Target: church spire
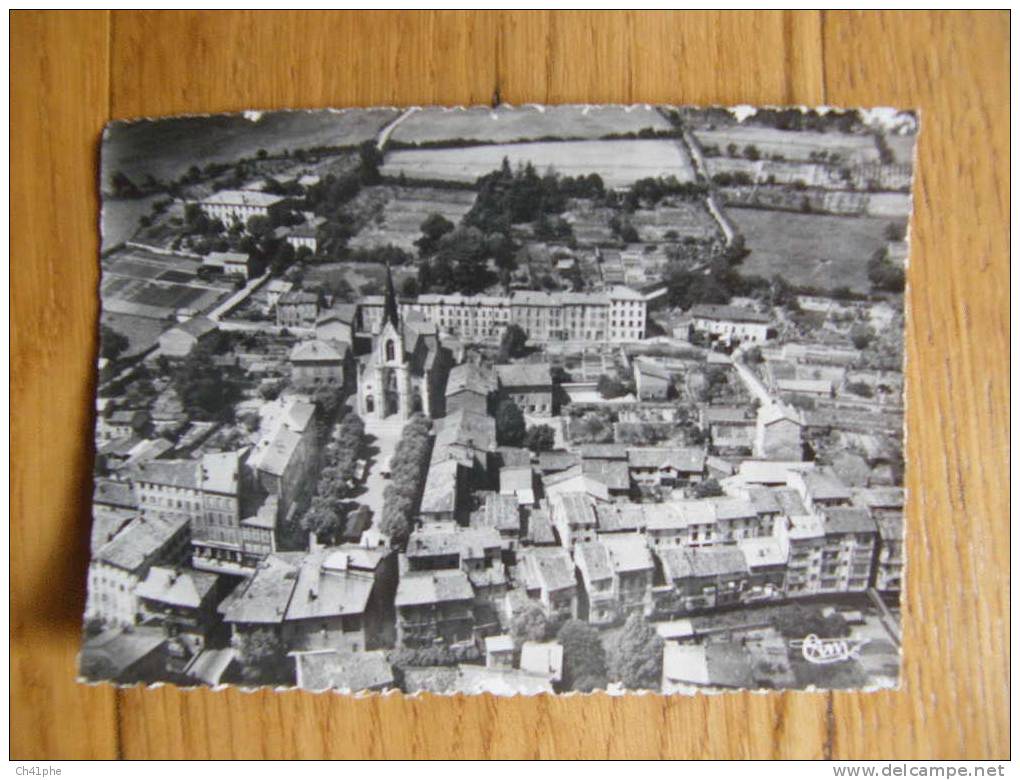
pixel 390 311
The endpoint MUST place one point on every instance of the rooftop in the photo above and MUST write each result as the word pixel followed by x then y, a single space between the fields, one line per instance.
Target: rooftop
pixel 433 587
pixel 710 311
pixel 685 459
pixel 139 540
pixel 242 198
pixel 524 375
pixel 180 588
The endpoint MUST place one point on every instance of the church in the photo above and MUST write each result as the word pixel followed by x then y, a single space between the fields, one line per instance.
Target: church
pixel 406 371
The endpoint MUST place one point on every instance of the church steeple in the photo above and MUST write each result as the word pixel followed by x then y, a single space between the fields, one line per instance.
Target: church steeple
pixel 390 311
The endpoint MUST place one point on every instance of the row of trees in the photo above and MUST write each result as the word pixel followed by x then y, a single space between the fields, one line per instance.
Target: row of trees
pixel 326 515
pixel 408 468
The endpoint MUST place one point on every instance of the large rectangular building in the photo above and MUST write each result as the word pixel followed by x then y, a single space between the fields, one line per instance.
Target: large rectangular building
pixel 617 315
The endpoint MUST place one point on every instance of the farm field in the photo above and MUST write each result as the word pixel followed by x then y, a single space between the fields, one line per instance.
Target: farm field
pixel 399 221
pixel 810 249
pixel 506 124
pixel 791 144
pixel 144 284
pixel 619 163
pixel 889 204
pixel 149 148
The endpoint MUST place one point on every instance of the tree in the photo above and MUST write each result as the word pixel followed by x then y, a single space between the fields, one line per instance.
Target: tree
pixel 540 438
pixel 636 655
pixel 709 488
pixel 262 655
pixel 861 335
pixel 530 624
pixel 324 519
pixel 371 158
pixel 433 228
pixel 512 342
pixel 510 425
pixel 409 287
pixel 584 657
pixel 609 387
pixel 111 343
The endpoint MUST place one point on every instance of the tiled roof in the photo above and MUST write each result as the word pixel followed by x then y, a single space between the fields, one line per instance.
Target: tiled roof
pixel 764 551
pixel 557 460
pixel 593 560
pixel 710 311
pixel 440 491
pixel 140 539
pixel 524 375
pixel 317 351
pixel 171 473
pixel 550 569
pixel 196 326
pixel 113 493
pixel 686 459
pixel 471 378
pixel 604 451
pixel 620 517
pixel 540 529
pixel 185 588
pixel 452 539
pixel 848 520
pixel 576 509
pixel 614 474
pixel 433 587
pixel 652 369
pixel 327 592
pixel 268 592
pixel 628 552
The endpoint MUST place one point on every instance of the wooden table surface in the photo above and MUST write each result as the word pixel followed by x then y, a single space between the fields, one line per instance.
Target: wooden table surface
pixel 71 72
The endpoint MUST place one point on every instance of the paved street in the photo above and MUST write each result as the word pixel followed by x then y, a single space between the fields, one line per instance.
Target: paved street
pixel 384 436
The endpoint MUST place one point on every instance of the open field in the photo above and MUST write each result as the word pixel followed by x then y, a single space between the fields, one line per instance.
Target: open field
pixel 791 144
pixel 810 249
pixel 506 124
pixel 143 148
pixel 364 278
pixel 619 163
pixel 399 222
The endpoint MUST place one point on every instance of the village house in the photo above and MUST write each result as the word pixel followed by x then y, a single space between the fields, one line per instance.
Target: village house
pixel 729 324
pixel 503 514
pixel 122 563
pixel 652 380
pixel 434 605
pixel 469 388
pixel 120 423
pixel 778 434
pixel 113 505
pixel 766 558
pixel 304 236
pixel 230 264
pixel 519 482
pixel 297 309
pixel 633 572
pixel 547 574
pixel 620 518
pixel 666 466
pixel 574 480
pixel 337 323
pixel 125 656
pixel 850 542
pixel 820 489
pixel 231 206
pixel 573 517
pixel 888 568
pixel 445 545
pixel 179 340
pixel 598 603
pixel 183 603
pixel 705 577
pixel 499 652
pixel 333 598
pixel 315 363
pixel 529 385
pixel 285 452
pixel 613 474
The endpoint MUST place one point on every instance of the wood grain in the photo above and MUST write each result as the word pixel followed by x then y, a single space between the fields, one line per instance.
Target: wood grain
pixel 70 72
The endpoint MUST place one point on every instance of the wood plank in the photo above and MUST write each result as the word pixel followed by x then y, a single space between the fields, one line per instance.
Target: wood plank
pixel 955 697
pixel 59 88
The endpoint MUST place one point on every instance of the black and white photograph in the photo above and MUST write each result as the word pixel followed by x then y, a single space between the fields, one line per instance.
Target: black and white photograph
pixel 519 400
